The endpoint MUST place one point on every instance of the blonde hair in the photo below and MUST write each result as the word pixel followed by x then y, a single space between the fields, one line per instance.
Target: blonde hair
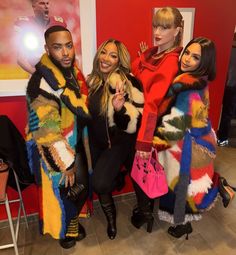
pixel 169 17
pixel 96 78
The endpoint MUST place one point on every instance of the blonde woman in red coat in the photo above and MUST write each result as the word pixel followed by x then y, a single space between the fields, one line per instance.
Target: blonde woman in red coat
pixel 155 68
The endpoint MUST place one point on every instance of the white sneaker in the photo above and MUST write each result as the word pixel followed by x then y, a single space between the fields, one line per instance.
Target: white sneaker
pixel 222 143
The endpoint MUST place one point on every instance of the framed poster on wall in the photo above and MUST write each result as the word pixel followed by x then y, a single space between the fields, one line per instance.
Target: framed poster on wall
pixel 13 79
pixel 188 23
pixel 29 19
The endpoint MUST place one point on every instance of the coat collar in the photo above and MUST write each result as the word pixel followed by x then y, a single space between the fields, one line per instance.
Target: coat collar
pixel 74 96
pixel 147 60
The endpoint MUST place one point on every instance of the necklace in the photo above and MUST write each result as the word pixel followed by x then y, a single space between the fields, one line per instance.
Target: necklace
pixel 71 80
pixel 69 77
pixel 161 54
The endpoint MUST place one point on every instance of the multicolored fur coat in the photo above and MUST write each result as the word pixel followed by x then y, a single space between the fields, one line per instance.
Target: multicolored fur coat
pixel 189 142
pixel 57 109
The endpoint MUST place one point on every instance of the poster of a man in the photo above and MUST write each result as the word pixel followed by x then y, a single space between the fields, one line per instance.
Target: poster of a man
pixel 23 26
pixel 30 30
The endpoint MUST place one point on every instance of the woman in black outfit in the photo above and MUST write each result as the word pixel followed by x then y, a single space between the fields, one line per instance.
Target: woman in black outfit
pixel 115 103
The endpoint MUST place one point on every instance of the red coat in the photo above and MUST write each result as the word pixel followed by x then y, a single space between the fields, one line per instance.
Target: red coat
pixel 156 77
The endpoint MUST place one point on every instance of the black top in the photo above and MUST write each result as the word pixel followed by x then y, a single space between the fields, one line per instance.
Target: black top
pixel 97 127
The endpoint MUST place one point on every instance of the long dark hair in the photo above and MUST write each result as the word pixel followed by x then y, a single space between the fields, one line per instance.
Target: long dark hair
pixel 207 66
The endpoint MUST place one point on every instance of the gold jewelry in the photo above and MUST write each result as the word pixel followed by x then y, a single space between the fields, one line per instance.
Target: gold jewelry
pixel 71 76
pixel 161 54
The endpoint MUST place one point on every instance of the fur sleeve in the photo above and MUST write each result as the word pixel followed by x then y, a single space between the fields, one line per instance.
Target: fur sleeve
pixel 45 125
pixel 129 116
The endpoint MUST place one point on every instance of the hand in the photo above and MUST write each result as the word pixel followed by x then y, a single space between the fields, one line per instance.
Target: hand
pixel 118 99
pixel 144 154
pixel 69 177
pixel 143 47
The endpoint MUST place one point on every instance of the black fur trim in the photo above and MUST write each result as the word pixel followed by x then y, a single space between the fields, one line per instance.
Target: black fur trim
pixel 82 116
pixel 70 85
pixel 111 90
pixel 49 159
pixel 48 76
pixel 33 86
pixel 135 82
pixel 33 90
pixel 137 104
pixel 121 119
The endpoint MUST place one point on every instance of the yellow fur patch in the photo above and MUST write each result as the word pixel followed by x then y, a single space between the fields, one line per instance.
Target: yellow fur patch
pixel 199 113
pixel 42 111
pixel 192 204
pixel 68 118
pixel 51 208
pixel 48 138
pixel 158 141
pixel 76 102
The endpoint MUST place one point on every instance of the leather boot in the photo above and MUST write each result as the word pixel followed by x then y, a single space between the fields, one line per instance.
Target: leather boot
pixel 141 216
pixel 110 213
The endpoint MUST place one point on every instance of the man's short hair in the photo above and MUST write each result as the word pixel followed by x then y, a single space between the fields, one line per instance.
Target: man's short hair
pixel 53 29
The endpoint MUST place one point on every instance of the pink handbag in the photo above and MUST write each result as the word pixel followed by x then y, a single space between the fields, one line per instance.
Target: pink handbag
pixel 149 174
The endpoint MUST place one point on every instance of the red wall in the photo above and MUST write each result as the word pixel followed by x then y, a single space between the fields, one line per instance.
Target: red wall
pixel 130 21
pixel 15 109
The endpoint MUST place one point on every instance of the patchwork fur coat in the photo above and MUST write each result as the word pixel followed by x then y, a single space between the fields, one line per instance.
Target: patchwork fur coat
pixel 186 144
pixel 57 109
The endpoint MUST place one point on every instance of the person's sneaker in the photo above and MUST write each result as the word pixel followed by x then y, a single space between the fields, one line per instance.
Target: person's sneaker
pixel 222 143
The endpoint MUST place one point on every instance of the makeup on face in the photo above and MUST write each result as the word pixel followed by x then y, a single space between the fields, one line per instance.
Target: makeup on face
pixel 108 58
pixel 191 58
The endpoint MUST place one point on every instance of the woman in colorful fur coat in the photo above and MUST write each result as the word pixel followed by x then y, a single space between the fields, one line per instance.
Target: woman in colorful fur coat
pixel 57 96
pixel 188 141
pixel 115 104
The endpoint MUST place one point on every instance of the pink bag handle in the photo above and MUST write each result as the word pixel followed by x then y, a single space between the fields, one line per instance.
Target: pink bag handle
pixel 148 161
pixel 155 153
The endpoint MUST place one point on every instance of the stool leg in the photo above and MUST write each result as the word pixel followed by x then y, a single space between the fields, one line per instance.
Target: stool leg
pixel 11 225
pixel 21 200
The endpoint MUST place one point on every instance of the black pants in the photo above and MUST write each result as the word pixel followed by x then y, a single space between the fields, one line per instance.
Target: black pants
pixel 228 112
pixel 74 207
pixel 107 162
pixel 81 179
pixel 144 203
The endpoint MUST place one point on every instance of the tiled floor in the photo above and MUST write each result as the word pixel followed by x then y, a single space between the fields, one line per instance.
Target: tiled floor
pixel 215 234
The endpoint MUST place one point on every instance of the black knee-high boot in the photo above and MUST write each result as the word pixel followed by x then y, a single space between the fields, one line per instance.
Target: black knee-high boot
pixel 109 210
pixel 143 212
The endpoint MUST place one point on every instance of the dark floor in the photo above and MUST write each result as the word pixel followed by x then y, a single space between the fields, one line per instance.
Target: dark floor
pixel 214 234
